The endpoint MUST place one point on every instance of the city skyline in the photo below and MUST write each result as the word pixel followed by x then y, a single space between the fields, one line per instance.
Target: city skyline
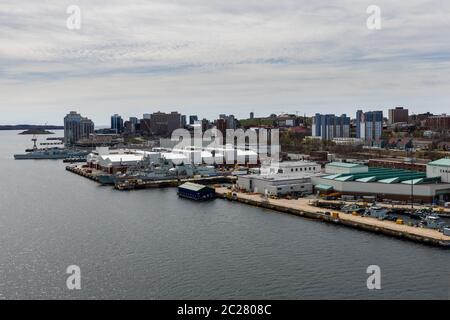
pixel 211 57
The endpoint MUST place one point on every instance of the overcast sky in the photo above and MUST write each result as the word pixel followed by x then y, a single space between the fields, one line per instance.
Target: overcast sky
pixel 208 57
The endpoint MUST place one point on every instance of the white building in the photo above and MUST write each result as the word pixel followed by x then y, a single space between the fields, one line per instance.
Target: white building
pixel 290 167
pixel 439 168
pixel 276 185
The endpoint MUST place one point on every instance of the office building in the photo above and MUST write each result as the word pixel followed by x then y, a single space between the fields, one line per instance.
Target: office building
pixel 230 120
pixel 398 115
pixel 164 124
pixel 192 119
pixel 117 123
pixel 76 128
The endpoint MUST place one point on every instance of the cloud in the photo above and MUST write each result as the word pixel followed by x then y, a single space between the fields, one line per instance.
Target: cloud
pixel 210 56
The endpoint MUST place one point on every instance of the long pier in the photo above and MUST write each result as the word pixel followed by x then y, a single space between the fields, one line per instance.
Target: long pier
pixel 135 184
pixel 302 207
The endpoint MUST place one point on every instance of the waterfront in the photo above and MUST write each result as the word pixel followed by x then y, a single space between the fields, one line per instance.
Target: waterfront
pixel 150 244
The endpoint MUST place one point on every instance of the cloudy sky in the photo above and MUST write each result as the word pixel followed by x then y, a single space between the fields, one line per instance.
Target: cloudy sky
pixel 208 57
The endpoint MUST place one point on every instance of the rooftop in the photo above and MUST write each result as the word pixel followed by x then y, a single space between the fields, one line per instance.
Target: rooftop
pixel 385 175
pixel 192 186
pixel 345 165
pixel 445 162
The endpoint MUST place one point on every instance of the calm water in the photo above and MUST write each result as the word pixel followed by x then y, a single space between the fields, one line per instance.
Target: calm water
pixel 150 244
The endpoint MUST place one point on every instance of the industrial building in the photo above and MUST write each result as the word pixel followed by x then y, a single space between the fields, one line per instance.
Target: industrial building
pixel 387 183
pixel 344 167
pixel 289 167
pixel 276 185
pixel 281 178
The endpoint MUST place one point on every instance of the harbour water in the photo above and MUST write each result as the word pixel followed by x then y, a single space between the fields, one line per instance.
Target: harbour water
pixel 149 244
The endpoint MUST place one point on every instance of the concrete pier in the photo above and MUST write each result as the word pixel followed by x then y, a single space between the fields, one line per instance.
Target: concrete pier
pixel 135 184
pixel 302 207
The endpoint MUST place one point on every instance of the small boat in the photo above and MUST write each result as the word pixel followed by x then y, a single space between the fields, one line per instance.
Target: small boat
pixel 377 212
pixel 433 221
pixel 349 208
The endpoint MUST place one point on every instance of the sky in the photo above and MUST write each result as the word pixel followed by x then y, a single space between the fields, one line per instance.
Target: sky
pixel 208 57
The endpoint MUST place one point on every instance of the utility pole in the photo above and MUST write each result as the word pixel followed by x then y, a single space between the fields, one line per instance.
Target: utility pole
pixel 412 161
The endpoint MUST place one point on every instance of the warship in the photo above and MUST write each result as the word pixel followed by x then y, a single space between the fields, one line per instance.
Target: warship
pixel 163 169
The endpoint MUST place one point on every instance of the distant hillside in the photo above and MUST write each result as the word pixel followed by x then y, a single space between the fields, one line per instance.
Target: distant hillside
pixel 29 127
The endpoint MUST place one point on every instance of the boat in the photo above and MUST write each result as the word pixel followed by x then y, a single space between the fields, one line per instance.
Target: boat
pixel 52 153
pixel 353 207
pixel 377 212
pixel 49 153
pixel 433 221
pixel 163 169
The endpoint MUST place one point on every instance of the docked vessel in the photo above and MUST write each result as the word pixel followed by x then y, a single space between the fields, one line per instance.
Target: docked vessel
pixel 52 153
pixel 161 170
pixel 433 221
pixel 377 212
pixel 353 207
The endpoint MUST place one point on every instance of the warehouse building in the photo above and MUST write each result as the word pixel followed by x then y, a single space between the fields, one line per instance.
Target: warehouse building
pixel 387 183
pixel 276 185
pixel 196 191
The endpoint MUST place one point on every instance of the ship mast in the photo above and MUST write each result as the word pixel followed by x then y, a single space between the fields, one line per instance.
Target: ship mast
pixel 34 142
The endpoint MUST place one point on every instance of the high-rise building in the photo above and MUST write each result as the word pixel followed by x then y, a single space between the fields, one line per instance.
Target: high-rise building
pixel 230 120
pixel 369 126
pixel 183 121
pixel 252 115
pixel 76 127
pixel 359 120
pixel 398 115
pixel 164 123
pixel 221 125
pixel 193 119
pixel 117 123
pixel 131 126
pixel 329 126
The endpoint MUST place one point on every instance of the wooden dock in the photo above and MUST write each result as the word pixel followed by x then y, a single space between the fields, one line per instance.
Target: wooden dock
pixel 302 207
